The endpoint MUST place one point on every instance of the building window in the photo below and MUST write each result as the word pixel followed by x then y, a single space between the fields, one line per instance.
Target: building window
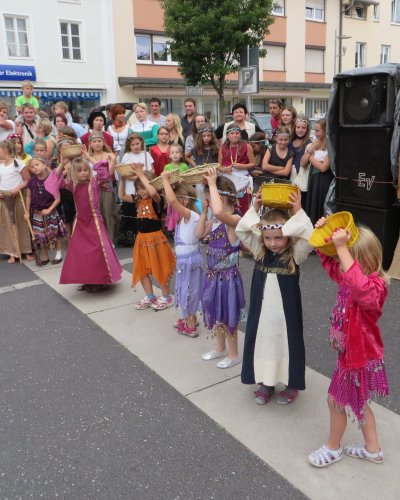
pixel 316 107
pixel 385 54
pixel 395 18
pixel 315 10
pixel 143 48
pixel 278 8
pixel 376 12
pixel 275 58
pixel 70 41
pixel 360 55
pixel 360 12
pixel 314 60
pixel 153 49
pixel 17 36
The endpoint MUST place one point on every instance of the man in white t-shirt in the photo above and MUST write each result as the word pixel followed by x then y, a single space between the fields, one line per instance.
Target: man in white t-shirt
pixel 26 127
pixel 155 115
pixel 7 126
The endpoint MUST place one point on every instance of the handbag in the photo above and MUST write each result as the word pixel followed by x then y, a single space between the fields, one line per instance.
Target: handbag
pixel 301 179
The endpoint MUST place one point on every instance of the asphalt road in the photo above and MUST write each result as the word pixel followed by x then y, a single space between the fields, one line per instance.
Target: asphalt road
pixel 82 418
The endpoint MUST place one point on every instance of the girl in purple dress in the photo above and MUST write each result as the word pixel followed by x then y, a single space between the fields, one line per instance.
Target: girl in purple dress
pixel 48 228
pixel 189 272
pixel 90 258
pixel 355 334
pixel 223 296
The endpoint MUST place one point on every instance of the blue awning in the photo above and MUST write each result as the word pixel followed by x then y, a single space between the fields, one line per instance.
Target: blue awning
pixel 65 95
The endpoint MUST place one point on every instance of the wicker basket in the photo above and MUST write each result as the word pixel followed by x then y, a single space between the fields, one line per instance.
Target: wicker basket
pixel 124 169
pixel 276 195
pixel 195 175
pixel 320 237
pixel 72 151
pixel 157 183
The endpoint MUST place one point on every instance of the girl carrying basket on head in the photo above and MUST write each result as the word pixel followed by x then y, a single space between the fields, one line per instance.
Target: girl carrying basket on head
pixel 189 272
pixel 152 254
pixel 355 334
pixel 274 345
pixel 223 296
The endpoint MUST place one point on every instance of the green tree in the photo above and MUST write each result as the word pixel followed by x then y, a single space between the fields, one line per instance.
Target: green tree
pixel 208 36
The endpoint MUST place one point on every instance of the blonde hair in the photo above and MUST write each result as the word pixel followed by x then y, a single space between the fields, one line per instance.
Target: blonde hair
pixel 367 250
pixel 61 104
pixel 186 190
pixel 278 216
pixel 178 147
pixel 26 83
pixel 98 135
pixel 141 105
pixel 76 164
pixel 44 124
pixel 177 128
pixel 9 147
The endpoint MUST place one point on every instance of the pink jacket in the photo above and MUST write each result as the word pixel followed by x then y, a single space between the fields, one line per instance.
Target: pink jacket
pixel 363 309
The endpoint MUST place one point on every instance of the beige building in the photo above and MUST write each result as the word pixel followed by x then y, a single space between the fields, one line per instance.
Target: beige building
pixel 309 41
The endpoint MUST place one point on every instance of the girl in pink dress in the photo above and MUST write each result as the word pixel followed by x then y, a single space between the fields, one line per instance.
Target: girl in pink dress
pixel 355 334
pixel 90 258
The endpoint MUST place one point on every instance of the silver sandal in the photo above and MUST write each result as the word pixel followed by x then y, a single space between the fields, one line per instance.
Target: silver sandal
pixel 359 451
pixel 323 457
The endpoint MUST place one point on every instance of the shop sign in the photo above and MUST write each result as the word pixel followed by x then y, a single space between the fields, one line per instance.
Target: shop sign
pixel 17 73
pixel 194 90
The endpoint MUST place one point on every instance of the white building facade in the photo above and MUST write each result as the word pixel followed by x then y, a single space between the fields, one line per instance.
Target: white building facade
pixel 65 47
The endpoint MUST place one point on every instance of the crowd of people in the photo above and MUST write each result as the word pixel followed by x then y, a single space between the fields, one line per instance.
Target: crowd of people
pixel 47 196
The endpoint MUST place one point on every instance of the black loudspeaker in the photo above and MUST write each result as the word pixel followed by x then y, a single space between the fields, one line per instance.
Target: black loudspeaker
pixel 367 100
pixel 363 167
pixel 384 223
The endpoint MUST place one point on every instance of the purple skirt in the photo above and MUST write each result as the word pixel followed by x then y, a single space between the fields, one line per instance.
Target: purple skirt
pixel 353 389
pixel 223 299
pixel 189 282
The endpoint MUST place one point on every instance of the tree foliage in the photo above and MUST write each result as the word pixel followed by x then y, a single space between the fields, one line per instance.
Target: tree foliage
pixel 208 35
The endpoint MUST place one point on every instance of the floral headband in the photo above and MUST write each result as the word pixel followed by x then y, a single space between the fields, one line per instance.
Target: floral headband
pixel 206 130
pixel 14 136
pixel 92 137
pixel 227 193
pixel 232 129
pixel 271 226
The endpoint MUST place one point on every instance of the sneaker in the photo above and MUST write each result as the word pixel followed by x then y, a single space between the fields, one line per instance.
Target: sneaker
pixel 228 363
pixel 208 356
pixel 162 303
pixel 145 303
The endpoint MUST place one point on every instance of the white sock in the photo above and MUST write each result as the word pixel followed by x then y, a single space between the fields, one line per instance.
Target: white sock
pixel 58 255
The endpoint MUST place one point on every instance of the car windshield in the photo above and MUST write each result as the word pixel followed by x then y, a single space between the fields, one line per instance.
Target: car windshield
pixel 264 122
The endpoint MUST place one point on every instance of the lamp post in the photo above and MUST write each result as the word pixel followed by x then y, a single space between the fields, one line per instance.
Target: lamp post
pixel 339 54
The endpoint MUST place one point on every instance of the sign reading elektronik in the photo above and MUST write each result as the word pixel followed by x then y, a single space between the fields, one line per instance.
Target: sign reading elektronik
pixel 17 73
